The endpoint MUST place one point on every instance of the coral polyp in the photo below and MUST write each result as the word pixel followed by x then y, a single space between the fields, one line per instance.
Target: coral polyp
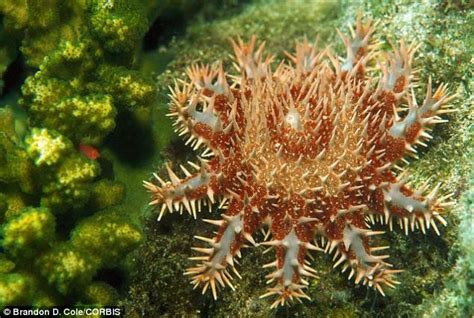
pixel 309 150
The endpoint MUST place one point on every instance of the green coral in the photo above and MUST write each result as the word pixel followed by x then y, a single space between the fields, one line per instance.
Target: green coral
pixel 129 88
pixel 100 294
pixel 15 202
pixel 119 24
pixel 10 25
pixel 66 177
pixel 15 288
pixel 46 147
pixel 78 95
pixel 79 86
pixel 3 204
pixel 106 193
pixel 28 233
pixel 6 265
pixel 40 17
pixel 16 14
pixel 14 164
pixel 65 267
pixel 70 184
pixel 68 267
pixel 80 60
pixel 57 101
pixel 108 242
pixel 96 242
pixel 66 180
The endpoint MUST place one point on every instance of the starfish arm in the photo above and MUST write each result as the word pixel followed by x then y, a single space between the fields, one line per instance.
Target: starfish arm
pixel 187 192
pixel 209 80
pixel 199 112
pixel 292 228
pixel 354 252
pixel 291 266
pixel 251 63
pixel 384 101
pixel 359 48
pixel 393 136
pixel 217 263
pixel 413 128
pixel 411 208
pixel 397 72
pixel 306 59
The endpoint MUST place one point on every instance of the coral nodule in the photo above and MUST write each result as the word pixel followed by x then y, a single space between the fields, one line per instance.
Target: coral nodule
pixel 308 150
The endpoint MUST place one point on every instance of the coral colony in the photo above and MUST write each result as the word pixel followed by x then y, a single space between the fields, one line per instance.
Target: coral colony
pixel 308 151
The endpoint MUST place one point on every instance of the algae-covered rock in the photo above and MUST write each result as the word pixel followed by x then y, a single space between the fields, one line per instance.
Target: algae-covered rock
pixel 455 298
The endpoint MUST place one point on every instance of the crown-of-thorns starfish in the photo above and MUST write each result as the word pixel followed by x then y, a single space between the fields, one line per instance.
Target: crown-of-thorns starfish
pixel 309 151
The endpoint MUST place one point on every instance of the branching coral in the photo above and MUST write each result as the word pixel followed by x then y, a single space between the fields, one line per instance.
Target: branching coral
pixel 85 53
pixel 29 232
pixel 14 164
pixel 67 267
pixel 72 264
pixel 32 235
pixel 114 237
pixel 120 25
pixel 105 193
pixel 80 62
pixel 46 147
pixel 39 18
pixel 69 185
pixel 65 177
pixel 57 97
pixel 310 150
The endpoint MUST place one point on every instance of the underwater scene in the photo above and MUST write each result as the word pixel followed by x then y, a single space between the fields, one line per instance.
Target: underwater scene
pixel 236 158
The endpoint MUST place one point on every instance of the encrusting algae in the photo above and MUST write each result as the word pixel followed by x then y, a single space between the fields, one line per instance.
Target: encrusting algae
pixel 309 151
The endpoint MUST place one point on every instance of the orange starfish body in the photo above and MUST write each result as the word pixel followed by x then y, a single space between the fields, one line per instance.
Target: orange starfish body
pixel 308 151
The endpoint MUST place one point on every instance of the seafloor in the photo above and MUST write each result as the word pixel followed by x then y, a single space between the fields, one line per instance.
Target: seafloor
pixel 87 81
